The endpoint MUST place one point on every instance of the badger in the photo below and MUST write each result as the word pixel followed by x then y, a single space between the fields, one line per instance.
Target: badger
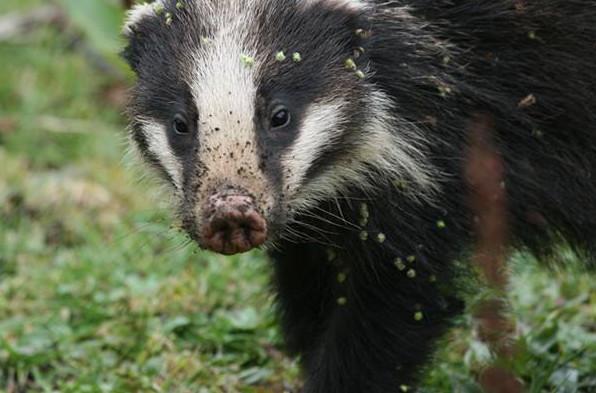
pixel 335 134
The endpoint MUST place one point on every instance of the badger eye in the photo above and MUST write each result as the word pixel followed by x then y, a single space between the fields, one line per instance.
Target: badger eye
pixel 280 118
pixel 180 125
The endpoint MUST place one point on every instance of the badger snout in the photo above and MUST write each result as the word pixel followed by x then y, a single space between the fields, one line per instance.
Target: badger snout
pixel 232 224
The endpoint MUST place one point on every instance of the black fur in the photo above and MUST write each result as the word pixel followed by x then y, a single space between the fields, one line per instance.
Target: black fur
pixel 364 304
pixel 448 61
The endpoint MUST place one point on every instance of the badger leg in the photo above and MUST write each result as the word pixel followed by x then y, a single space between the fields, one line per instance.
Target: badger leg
pixel 303 283
pixel 374 343
pixel 359 329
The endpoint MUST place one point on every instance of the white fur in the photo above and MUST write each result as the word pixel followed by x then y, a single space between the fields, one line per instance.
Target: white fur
pixel 320 127
pixel 352 5
pixel 158 144
pixel 137 13
pixel 223 83
pixel 389 145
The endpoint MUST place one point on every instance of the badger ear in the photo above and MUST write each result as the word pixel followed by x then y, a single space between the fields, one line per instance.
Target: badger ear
pixel 137 17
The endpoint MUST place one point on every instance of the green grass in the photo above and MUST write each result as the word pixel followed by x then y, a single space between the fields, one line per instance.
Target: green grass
pixel 99 294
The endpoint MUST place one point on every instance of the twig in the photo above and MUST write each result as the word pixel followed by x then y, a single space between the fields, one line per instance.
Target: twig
pixel 485 177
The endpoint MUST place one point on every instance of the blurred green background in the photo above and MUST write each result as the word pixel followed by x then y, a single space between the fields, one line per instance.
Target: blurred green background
pixel 98 293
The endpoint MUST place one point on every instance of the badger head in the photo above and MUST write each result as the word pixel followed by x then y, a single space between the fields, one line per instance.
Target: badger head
pixel 257 110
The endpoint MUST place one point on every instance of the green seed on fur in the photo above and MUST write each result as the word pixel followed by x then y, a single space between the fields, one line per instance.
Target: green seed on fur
pixel 381 237
pixel 441 224
pixel 418 316
pixel 351 64
pixel 158 8
pixel 404 388
pixel 297 57
pixel 363 221
pixel 179 5
pixel 360 74
pixel 400 264
pixel 361 33
pixel 411 273
pixel 342 301
pixel 411 259
pixel 363 235
pixel 280 56
pixel 168 18
pixel 342 277
pixel 432 278
pixel 400 184
pixel 247 60
pixel 364 210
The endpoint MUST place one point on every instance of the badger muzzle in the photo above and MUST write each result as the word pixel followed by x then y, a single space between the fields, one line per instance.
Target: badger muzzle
pixel 232 223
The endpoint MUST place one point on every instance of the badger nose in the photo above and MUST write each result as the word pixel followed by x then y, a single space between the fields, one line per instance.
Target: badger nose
pixel 232 225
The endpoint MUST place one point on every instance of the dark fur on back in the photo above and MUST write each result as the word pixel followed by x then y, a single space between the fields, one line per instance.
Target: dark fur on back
pixel 445 62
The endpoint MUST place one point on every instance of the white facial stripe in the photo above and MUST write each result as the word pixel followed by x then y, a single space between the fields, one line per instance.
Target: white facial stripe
pixel 137 13
pixel 224 89
pixel 321 126
pixel 390 146
pixel 158 145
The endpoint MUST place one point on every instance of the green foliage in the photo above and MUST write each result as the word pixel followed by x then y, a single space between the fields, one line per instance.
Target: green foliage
pixel 99 294
pixel 101 22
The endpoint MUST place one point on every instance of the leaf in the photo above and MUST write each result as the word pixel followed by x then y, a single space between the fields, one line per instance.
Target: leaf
pixel 244 319
pixel 254 375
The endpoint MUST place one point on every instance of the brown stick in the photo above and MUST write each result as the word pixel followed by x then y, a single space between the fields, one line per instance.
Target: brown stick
pixel 485 177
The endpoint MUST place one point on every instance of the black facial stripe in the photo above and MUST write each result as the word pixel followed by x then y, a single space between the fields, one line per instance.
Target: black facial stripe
pixel 184 105
pixel 158 51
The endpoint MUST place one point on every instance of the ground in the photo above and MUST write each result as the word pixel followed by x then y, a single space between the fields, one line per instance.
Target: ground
pixel 100 293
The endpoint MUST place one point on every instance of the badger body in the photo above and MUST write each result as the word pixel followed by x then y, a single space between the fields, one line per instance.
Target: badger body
pixel 339 134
